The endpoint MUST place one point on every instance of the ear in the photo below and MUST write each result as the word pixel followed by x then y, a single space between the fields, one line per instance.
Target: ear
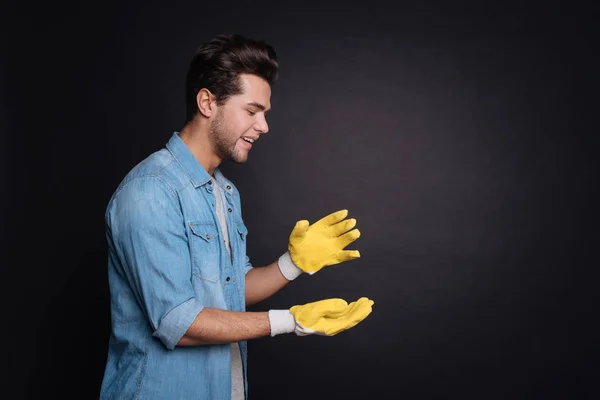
pixel 206 102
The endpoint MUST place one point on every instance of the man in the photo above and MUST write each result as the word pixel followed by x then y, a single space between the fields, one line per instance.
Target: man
pixel 179 276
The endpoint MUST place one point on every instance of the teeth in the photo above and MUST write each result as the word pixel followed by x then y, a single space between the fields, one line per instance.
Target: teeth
pixel 248 140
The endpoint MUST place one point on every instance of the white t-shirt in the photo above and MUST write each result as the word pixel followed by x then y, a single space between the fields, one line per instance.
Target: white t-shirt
pixel 237 368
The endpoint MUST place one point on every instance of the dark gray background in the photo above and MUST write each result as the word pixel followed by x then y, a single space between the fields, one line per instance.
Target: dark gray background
pixel 463 138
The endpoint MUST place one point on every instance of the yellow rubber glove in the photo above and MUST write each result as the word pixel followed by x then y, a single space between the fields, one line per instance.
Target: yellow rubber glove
pixel 315 246
pixel 330 317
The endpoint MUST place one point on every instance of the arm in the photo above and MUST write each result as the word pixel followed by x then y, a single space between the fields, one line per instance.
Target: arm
pixel 326 317
pixel 263 282
pixel 154 255
pixel 214 326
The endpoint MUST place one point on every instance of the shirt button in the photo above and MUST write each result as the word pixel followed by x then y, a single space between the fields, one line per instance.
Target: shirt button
pixel 228 187
pixel 227 279
pixel 229 209
pixel 210 182
pixel 208 237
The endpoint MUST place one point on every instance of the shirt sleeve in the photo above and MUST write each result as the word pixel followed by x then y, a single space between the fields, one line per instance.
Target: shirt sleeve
pixel 149 236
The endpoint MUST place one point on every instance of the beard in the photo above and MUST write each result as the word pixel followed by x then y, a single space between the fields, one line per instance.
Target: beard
pixel 224 142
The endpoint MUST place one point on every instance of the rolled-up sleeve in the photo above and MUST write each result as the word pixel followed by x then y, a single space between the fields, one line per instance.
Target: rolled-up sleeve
pixel 149 236
pixel 177 322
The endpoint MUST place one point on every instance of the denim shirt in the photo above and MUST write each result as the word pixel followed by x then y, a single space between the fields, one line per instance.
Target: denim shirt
pixel 166 262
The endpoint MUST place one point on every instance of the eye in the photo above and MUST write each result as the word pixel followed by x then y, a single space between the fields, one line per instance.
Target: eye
pixel 251 113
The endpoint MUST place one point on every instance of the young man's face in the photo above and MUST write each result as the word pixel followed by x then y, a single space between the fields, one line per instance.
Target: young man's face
pixel 241 120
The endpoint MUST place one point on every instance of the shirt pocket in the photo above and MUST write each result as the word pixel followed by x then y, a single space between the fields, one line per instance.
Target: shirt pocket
pixel 204 246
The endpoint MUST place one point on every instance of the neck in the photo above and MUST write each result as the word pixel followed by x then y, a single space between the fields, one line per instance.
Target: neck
pixel 195 135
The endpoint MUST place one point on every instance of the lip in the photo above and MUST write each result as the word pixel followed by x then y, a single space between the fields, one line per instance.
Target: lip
pixel 246 144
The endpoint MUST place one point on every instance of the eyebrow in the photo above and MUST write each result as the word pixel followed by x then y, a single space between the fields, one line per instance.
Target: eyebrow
pixel 257 105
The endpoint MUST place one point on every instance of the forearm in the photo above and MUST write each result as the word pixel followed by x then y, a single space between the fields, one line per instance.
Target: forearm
pixel 214 326
pixel 263 282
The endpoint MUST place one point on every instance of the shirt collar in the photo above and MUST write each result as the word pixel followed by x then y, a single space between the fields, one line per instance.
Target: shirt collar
pixel 194 169
pixel 184 156
pixel 224 182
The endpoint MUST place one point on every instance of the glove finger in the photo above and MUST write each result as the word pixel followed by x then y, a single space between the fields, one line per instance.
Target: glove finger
pixel 309 314
pixel 343 324
pixel 345 319
pixel 344 255
pixel 334 314
pixel 352 307
pixel 342 227
pixel 330 305
pixel 299 229
pixel 356 309
pixel 356 313
pixel 341 313
pixel 331 219
pixel 348 238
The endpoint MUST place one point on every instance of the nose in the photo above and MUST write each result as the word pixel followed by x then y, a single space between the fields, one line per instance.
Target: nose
pixel 261 125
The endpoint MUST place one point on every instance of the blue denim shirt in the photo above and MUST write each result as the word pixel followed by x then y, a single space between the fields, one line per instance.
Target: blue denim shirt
pixel 167 261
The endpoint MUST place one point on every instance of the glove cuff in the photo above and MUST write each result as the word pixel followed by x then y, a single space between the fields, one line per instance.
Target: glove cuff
pixel 282 321
pixel 287 267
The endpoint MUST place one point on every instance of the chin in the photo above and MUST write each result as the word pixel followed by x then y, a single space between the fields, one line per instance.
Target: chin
pixel 239 157
pixel 240 161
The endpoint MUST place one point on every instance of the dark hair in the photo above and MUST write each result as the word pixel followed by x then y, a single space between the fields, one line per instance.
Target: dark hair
pixel 217 64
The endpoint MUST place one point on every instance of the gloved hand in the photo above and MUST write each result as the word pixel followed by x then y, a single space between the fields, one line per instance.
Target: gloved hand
pixel 326 317
pixel 312 247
